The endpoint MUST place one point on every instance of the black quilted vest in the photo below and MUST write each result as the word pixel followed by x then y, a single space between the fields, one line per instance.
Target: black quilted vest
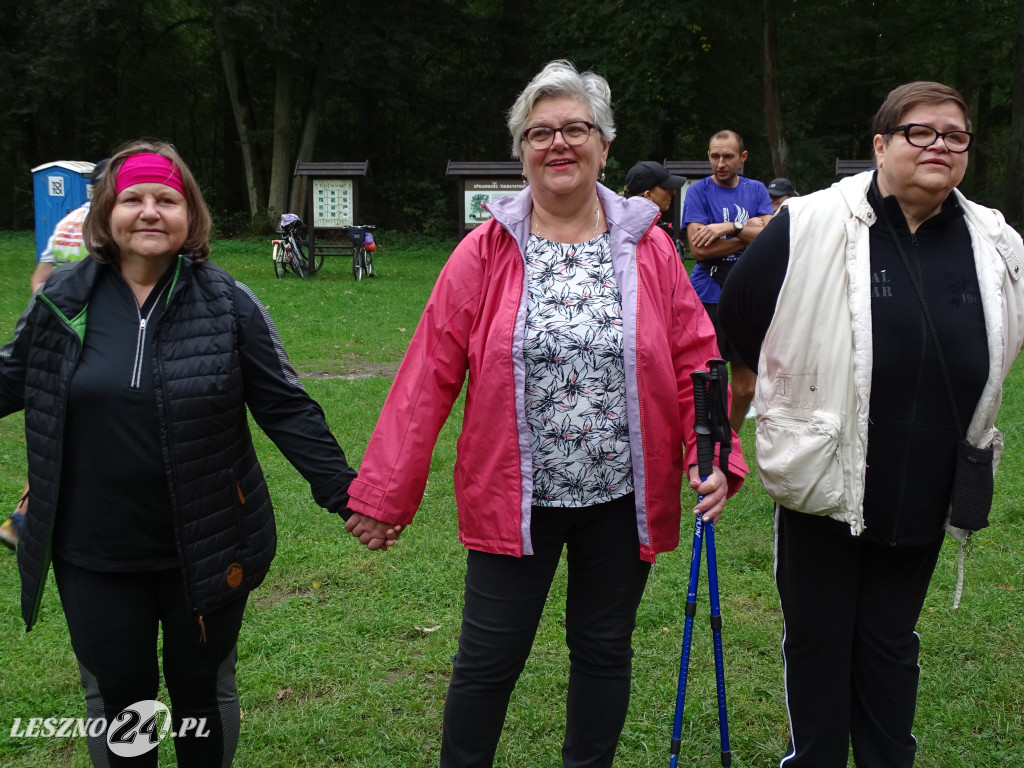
pixel 223 520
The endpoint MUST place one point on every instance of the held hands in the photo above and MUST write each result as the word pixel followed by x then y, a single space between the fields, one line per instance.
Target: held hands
pixel 713 490
pixel 373 534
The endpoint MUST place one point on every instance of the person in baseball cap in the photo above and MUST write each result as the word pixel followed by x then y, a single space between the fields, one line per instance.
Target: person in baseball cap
pixel 780 190
pixel 653 181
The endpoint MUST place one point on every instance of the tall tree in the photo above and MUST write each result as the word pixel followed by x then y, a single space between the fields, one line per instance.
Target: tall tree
pixel 241 106
pixel 280 165
pixel 323 31
pixel 772 101
pixel 1014 195
pixel 310 124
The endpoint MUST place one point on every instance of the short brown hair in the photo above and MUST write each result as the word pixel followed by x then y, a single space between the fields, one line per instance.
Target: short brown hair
pixel 96 230
pixel 725 135
pixel 905 97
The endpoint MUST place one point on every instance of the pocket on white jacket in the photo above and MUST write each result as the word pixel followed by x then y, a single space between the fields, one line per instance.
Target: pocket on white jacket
pixel 798 459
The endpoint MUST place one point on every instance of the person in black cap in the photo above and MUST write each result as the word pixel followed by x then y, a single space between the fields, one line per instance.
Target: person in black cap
pixel 653 181
pixel 780 190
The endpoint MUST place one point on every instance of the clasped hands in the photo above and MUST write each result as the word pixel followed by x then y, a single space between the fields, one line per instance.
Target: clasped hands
pixel 373 534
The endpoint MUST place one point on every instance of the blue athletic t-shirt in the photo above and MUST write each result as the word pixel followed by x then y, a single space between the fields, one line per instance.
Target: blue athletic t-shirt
pixel 708 203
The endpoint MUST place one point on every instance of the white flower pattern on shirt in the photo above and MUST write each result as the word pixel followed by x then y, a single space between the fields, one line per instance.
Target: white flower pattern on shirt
pixel 575 381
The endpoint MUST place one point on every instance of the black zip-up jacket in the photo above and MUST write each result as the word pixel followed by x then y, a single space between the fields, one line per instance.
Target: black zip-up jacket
pixel 216 351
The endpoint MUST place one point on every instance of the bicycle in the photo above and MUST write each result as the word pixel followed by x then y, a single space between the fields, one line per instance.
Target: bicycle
pixel 361 236
pixel 285 258
pixel 290 251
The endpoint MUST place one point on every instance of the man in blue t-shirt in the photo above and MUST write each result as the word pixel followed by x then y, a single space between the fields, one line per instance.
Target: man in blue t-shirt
pixel 722 214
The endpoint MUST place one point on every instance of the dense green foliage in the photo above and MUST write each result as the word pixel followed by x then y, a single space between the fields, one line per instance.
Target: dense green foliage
pixel 410 85
pixel 344 655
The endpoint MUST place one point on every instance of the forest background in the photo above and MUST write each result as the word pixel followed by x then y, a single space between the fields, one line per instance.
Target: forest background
pixel 245 88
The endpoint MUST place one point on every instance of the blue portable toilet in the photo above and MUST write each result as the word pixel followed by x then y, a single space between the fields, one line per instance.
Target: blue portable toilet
pixel 58 188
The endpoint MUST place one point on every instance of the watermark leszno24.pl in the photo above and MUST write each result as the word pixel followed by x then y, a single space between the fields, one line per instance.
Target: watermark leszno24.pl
pixel 133 731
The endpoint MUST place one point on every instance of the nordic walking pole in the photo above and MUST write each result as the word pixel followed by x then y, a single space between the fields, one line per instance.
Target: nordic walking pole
pixel 721 433
pixel 711 413
pixel 705 452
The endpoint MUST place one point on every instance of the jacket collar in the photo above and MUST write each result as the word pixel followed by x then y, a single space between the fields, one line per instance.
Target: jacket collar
pixel 854 190
pixel 70 287
pixel 991 224
pixel 627 217
pixel 987 221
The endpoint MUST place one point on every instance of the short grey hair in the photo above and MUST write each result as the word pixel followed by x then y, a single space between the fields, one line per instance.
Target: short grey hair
pixel 560 78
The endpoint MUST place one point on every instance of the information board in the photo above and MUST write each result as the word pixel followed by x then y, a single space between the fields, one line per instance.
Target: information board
pixel 479 191
pixel 332 203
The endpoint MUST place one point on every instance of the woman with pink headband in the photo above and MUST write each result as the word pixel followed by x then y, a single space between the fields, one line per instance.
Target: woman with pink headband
pixel 136 369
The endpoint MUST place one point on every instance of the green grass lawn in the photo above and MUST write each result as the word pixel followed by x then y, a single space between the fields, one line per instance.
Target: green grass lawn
pixel 344 655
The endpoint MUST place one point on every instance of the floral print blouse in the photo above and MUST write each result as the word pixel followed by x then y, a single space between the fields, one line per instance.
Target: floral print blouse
pixel 575 382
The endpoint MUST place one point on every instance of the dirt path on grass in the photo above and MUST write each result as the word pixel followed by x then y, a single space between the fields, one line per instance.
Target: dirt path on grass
pixel 352 371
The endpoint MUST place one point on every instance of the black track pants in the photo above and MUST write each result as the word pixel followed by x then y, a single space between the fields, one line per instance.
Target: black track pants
pixel 849 645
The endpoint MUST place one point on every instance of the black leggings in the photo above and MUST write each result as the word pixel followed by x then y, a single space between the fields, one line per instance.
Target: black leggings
pixel 505 597
pixel 114 619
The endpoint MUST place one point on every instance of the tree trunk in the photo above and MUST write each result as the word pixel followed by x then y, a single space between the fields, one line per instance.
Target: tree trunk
pixel 1013 207
pixel 280 166
pixel 241 107
pixel 772 102
pixel 227 148
pixel 310 124
pixel 978 171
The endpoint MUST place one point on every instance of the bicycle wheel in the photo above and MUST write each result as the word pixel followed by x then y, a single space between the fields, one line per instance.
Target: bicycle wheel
pixel 311 260
pixel 297 264
pixel 370 272
pixel 279 257
pixel 358 260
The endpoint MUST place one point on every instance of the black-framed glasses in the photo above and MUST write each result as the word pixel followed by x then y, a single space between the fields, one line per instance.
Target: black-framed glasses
pixel 924 136
pixel 573 134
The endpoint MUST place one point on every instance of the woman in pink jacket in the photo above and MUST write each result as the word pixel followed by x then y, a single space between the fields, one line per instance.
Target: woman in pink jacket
pixel 577 325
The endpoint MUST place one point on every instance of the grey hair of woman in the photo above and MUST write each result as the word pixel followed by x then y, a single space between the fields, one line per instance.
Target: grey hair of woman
pixel 560 79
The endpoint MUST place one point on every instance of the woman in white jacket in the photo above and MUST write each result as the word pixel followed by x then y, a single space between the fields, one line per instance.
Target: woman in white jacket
pixel 860 411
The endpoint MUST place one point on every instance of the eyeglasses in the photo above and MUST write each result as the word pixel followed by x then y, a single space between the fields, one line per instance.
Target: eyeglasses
pixel 924 136
pixel 573 134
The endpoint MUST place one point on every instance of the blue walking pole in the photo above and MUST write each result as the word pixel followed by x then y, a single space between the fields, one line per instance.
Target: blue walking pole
pixel 710 398
pixel 721 434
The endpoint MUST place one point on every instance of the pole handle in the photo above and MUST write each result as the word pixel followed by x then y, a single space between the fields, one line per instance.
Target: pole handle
pixel 702 423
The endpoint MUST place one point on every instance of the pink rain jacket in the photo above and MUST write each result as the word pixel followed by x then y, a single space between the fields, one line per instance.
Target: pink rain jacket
pixel 474 322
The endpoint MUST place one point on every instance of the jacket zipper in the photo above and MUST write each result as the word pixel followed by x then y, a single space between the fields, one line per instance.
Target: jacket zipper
pixel 140 340
pixel 898 519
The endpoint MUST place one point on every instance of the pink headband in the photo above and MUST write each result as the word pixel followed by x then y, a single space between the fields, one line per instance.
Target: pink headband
pixel 148 167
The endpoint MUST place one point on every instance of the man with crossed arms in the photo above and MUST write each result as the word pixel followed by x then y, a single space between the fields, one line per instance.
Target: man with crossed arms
pixel 723 213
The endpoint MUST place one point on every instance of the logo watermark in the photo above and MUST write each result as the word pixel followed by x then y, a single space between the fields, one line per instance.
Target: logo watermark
pixel 133 731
